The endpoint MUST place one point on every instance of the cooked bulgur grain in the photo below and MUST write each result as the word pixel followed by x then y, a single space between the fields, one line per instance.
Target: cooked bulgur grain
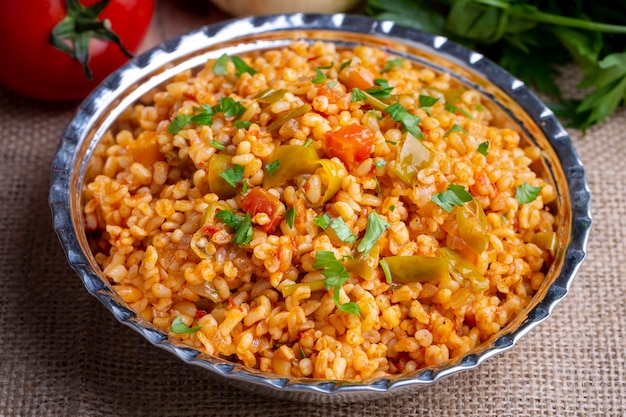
pixel 309 213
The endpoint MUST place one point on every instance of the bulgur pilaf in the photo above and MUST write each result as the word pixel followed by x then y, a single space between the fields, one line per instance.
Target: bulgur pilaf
pixel 320 212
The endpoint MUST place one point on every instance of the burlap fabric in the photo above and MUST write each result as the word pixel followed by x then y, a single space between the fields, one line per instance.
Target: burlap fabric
pixel 63 354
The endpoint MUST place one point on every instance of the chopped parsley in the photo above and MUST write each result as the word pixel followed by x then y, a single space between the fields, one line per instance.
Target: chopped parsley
pixel 241 124
pixel 302 354
pixel 319 75
pixel 455 128
pixel 389 65
pixel 241 224
pixel 409 121
pixel 392 208
pixel 383 91
pixel 358 94
pixel 272 166
pixel 342 230
pixel 323 220
pixel 385 267
pixel 233 175
pixel 290 216
pixel 427 101
pixel 455 195
pixel 227 105
pixel 375 228
pixel 335 275
pixel 526 193
pixel 244 187
pixel 483 148
pixel 220 67
pixel 307 142
pixel 178 123
pixel 241 67
pixel 344 65
pixel 217 145
pixel 179 326
pixel 454 109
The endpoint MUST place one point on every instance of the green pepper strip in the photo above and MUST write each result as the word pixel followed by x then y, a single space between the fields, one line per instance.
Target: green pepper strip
pixel 317 285
pixel 405 269
pixel 218 164
pixel 292 114
pixel 364 266
pixel 269 96
pixel 545 240
pixel 413 156
pixel 473 225
pixel 298 160
pixel 464 271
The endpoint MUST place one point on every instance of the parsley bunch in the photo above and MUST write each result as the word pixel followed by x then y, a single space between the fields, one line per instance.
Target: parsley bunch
pixel 531 39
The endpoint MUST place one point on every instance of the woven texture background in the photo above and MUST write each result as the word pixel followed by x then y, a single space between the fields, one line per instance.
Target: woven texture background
pixel 63 354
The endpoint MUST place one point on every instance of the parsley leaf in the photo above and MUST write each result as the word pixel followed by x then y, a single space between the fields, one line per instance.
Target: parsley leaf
pixel 290 216
pixel 358 95
pixel 323 220
pixel 307 142
pixel 229 218
pixel 217 145
pixel 384 91
pixel 397 62
pixel 241 67
pixel 272 166
pixel 219 68
pixel 179 326
pixel 409 121
pixel 319 77
pixel 243 234
pixel 230 107
pixel 335 275
pixel 455 128
pixel 344 65
pixel 427 101
pixel 526 193
pixel 454 109
pixel 180 121
pixel 342 230
pixel 241 124
pixel 455 195
pixel 375 228
pixel 233 175
pixel 205 117
pixel 483 148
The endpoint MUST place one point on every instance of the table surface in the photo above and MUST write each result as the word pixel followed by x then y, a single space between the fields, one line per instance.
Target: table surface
pixel 63 354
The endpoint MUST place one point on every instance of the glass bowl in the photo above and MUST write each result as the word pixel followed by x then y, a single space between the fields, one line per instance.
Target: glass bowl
pixel 508 98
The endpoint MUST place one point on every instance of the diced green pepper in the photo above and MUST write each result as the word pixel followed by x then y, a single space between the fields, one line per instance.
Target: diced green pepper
pixel 464 271
pixel 473 225
pixel 294 160
pixel 317 285
pixel 545 240
pixel 270 96
pixel 413 156
pixel 291 114
pixel 218 164
pixel 405 269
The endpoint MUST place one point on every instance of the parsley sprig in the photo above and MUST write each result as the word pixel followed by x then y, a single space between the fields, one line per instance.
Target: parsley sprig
pixel 533 39
pixel 335 275
pixel 220 67
pixel 455 195
pixel 204 116
pixel 242 225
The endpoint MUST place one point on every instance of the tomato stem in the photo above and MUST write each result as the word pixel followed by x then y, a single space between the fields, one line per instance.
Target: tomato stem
pixel 73 33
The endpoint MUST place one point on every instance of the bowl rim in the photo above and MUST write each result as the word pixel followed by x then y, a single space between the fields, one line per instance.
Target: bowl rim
pixel 73 136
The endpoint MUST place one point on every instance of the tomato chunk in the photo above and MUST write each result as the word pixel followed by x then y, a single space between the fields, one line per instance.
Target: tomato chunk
pixel 359 77
pixel 259 200
pixel 352 144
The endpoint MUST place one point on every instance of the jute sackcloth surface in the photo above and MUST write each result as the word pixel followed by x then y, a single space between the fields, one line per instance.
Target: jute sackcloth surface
pixel 63 354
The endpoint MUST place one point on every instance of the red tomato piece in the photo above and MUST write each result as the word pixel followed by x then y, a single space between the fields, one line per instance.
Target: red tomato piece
pixel 39 70
pixel 352 144
pixel 259 200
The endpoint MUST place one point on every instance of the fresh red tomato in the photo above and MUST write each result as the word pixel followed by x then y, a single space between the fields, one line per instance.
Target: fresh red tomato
pixel 35 68
pixel 352 144
pixel 259 200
